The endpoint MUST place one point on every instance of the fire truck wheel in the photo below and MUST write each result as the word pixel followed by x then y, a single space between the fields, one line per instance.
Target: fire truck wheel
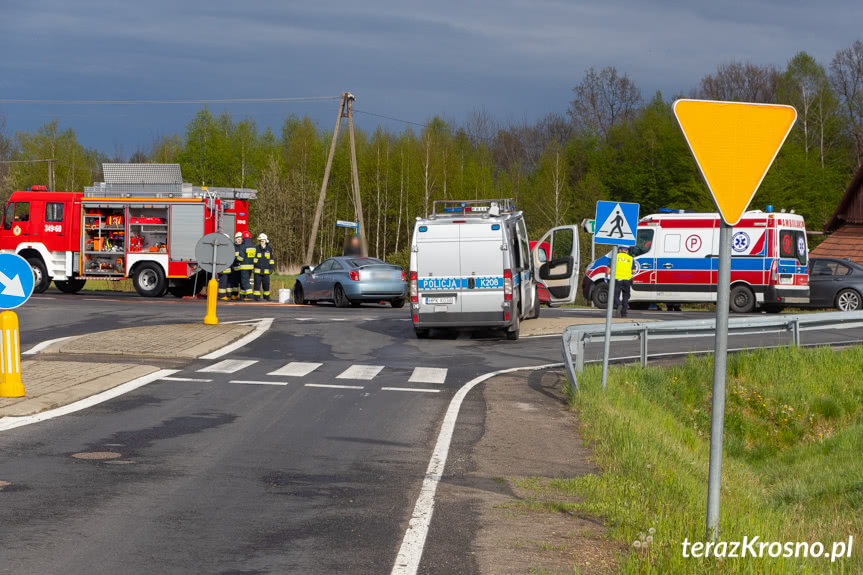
pixel 69 286
pixel 600 295
pixel 742 299
pixel 41 279
pixel 149 280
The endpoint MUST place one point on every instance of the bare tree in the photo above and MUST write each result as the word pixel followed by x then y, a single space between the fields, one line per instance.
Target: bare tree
pixel 846 75
pixel 741 82
pixel 602 100
pixel 480 126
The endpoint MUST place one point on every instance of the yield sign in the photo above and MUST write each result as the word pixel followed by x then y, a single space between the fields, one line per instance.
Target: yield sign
pixel 734 144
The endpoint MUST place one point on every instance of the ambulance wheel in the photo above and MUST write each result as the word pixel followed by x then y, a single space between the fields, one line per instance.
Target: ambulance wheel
pixel 600 295
pixel 149 280
pixel 742 299
pixel 339 297
pixel 421 333
pixel 399 302
pixel 69 286
pixel 41 279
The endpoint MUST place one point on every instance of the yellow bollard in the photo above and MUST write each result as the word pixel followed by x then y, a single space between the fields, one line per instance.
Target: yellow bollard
pixel 10 356
pixel 212 298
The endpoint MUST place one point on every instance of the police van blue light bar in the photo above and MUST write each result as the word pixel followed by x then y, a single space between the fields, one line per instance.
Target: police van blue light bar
pixel 495 226
pixel 674 211
pixel 424 228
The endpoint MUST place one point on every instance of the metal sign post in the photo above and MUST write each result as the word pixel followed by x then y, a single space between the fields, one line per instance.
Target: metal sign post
pixel 734 144
pixel 618 222
pixel 215 254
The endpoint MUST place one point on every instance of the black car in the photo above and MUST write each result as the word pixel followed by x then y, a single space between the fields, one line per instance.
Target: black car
pixel 835 282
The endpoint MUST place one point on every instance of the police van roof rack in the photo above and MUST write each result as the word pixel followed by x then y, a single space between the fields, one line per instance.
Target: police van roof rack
pixel 483 208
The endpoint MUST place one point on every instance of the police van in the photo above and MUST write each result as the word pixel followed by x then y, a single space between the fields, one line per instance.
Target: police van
pixel 676 261
pixel 471 267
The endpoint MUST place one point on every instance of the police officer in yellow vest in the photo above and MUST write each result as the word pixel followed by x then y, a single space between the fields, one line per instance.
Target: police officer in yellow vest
pixel 622 279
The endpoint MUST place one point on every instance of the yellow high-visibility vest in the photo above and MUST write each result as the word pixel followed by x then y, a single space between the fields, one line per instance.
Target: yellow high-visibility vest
pixel 623 271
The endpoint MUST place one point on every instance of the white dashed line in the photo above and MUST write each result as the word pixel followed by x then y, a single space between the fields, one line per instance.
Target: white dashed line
pixel 428 375
pixel 334 386
pixel 228 366
pixel 415 389
pixel 296 369
pixel 360 372
pixel 250 382
pixel 192 379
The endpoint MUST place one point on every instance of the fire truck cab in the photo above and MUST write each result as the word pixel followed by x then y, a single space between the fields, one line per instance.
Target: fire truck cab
pixel 676 261
pixel 146 231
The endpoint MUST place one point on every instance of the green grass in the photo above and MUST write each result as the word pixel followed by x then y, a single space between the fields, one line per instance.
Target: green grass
pixel 793 465
pixel 277 281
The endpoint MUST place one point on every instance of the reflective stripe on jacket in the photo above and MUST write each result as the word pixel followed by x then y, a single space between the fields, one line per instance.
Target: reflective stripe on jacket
pixel 265 262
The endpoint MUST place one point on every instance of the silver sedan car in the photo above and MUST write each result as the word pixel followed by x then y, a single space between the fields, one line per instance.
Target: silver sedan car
pixel 350 281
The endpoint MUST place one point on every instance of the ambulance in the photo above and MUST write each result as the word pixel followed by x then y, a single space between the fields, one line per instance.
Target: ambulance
pixel 676 261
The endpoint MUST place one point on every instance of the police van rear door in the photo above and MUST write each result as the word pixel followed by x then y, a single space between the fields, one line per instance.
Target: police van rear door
pixel 560 273
pixel 438 267
pixel 482 265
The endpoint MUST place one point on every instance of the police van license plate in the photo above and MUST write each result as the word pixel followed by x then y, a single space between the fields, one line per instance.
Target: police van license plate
pixel 440 300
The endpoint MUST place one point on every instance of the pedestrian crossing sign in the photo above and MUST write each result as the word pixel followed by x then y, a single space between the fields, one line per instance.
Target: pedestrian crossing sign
pixel 616 223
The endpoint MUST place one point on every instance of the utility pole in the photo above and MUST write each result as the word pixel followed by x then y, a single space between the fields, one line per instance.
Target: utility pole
pixel 345 111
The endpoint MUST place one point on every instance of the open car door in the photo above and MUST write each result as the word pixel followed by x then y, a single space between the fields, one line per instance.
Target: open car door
pixel 560 273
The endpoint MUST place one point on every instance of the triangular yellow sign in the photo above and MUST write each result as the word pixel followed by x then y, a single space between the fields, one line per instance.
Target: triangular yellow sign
pixel 734 144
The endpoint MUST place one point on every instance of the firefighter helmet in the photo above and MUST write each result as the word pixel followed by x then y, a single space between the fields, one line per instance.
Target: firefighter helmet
pixel 238 236
pixel 263 238
pixel 246 235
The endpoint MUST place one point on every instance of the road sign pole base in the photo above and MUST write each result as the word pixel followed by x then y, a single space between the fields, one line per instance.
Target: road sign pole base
pixel 10 356
pixel 212 299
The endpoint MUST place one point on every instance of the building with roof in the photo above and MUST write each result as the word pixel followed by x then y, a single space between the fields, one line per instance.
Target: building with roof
pixel 845 228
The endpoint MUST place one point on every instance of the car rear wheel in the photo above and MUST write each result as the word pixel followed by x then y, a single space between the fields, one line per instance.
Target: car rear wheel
pixel 398 302
pixel 70 286
pixel 742 299
pixel 848 300
pixel 512 332
pixel 599 296
pixel 421 333
pixel 339 297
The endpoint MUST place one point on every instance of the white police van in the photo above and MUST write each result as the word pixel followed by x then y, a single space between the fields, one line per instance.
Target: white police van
pixel 471 267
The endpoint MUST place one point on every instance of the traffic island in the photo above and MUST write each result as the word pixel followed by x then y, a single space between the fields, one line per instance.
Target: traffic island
pixel 175 341
pixel 53 384
pixel 556 325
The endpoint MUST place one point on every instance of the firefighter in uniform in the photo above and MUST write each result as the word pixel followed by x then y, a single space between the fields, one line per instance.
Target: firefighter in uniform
pixel 622 280
pixel 233 279
pixel 264 266
pixel 246 265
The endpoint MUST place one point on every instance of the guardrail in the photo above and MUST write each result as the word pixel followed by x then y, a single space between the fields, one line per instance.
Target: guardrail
pixel 576 336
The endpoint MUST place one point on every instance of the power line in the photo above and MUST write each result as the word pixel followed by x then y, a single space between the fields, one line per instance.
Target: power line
pixel 25 161
pixel 173 102
pixel 452 131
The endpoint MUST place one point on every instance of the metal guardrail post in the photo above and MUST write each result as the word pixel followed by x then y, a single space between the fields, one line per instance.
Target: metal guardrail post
pixel 567 357
pixel 579 353
pixel 795 331
pixel 642 336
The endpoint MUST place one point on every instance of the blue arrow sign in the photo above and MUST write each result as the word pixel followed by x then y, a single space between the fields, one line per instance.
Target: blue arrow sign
pixel 616 223
pixel 16 281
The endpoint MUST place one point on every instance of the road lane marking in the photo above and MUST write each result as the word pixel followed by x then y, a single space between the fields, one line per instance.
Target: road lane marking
pixel 411 550
pixel 296 369
pixel 260 329
pixel 428 375
pixel 7 423
pixel 415 389
pixel 360 372
pixel 252 382
pixel 192 379
pixel 334 386
pixel 228 366
pixel 42 345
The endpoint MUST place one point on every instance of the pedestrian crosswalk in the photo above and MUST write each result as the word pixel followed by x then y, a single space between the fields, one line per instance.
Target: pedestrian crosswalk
pixel 263 374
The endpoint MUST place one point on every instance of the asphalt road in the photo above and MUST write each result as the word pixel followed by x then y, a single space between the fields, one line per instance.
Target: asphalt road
pixel 235 469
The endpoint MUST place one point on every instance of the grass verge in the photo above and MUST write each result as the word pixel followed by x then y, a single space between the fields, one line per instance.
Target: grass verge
pixel 277 281
pixel 792 469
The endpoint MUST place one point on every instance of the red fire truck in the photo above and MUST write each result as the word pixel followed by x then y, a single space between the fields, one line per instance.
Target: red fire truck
pixel 142 223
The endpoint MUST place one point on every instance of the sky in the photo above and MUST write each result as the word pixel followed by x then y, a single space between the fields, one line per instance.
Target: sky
pixel 516 59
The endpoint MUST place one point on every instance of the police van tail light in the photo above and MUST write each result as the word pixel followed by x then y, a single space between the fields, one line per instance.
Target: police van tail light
pixel 414 290
pixel 355 275
pixel 774 271
pixel 507 284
